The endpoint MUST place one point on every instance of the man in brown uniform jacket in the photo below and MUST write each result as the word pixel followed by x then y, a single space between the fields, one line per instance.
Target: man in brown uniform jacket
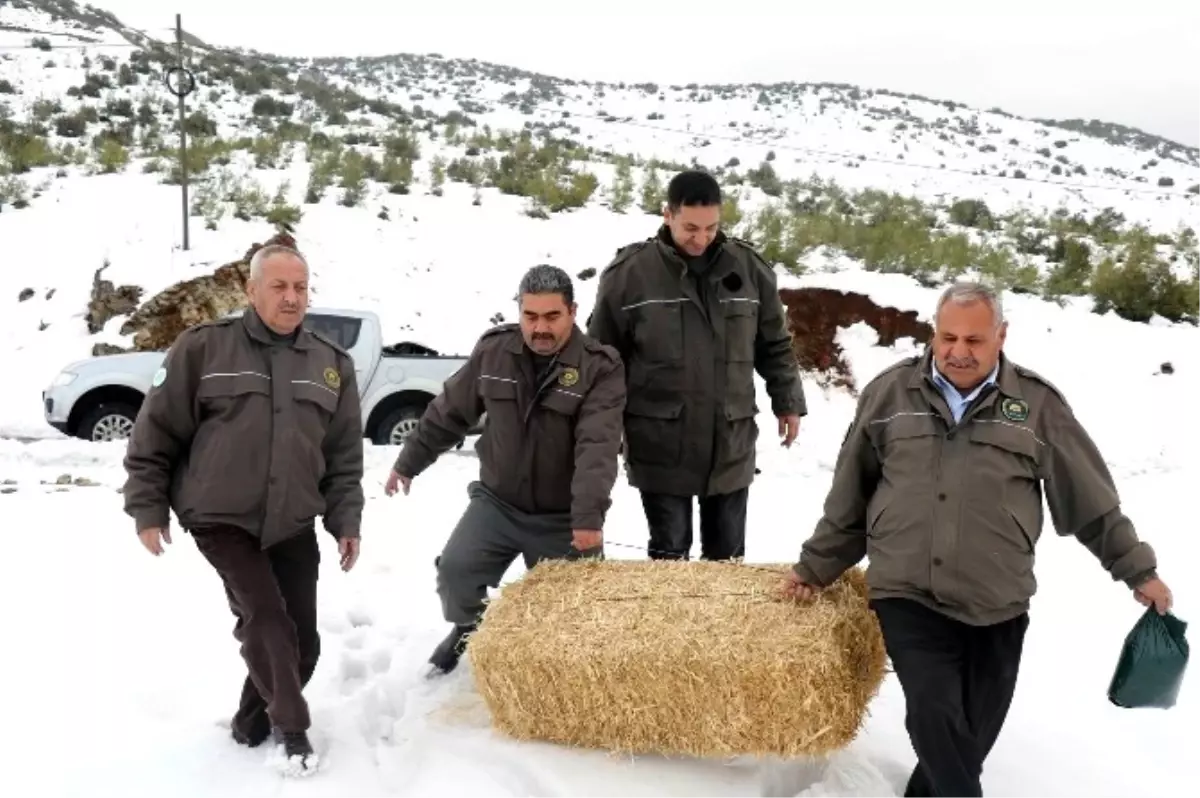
pixel 939 484
pixel 547 456
pixel 253 428
pixel 694 314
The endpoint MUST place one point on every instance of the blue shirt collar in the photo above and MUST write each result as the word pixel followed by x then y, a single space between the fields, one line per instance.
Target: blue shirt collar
pixel 945 384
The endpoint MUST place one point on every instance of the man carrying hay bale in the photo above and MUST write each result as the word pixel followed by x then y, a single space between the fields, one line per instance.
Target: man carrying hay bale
pixel 548 453
pixel 939 483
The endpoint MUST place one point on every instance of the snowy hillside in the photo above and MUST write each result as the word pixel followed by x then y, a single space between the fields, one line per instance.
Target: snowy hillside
pixel 422 188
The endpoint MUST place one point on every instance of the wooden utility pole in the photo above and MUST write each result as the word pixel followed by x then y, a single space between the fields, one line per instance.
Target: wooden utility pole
pixel 181 94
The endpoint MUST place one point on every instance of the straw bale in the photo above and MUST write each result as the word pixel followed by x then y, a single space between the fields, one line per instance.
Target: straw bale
pixel 677 658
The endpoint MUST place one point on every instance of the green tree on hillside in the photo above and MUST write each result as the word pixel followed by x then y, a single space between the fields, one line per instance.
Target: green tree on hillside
pixel 653 195
pixel 620 193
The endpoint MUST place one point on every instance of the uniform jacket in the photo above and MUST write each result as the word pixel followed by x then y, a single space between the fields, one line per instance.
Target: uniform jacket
pixel 950 514
pixel 691 348
pixel 243 430
pixel 548 446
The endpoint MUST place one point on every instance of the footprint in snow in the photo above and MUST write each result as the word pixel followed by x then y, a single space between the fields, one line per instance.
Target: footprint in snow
pixel 381 660
pixel 352 671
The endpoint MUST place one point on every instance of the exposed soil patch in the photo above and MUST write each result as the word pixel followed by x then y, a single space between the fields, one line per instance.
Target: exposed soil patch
pixel 816 314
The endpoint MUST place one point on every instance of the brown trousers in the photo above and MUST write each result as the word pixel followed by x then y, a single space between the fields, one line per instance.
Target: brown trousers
pixel 273 595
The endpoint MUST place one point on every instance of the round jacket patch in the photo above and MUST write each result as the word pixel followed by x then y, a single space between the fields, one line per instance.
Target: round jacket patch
pixel 1015 409
pixel 159 377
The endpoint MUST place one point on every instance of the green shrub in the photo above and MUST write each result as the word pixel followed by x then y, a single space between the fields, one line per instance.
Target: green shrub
pixel 1142 284
pixel 620 193
pixel 112 157
pixel 653 195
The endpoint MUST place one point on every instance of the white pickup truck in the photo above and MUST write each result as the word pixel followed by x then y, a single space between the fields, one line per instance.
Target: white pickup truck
pixel 98 399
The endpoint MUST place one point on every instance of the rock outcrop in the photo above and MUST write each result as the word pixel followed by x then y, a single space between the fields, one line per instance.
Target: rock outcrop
pixel 157 323
pixel 108 301
pixel 816 314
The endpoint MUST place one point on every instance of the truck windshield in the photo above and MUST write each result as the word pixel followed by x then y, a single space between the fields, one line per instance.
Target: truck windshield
pixel 342 330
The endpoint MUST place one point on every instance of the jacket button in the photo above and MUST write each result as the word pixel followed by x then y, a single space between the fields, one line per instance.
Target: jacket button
pixel 941 497
pixel 279 410
pixel 937 560
pixel 950 437
pixel 272 480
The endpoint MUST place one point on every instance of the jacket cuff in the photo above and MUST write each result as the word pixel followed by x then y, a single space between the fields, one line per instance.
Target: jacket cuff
pixel 404 465
pixel 587 521
pixel 156 518
pixel 1139 579
pixel 790 404
pixel 806 574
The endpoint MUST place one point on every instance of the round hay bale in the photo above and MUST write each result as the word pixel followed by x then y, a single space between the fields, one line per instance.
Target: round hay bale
pixel 678 658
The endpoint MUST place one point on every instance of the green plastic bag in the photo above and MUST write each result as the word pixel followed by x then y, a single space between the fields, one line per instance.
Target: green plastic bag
pixel 1153 660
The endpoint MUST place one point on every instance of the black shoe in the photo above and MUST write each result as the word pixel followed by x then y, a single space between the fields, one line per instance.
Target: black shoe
pixel 294 743
pixel 252 740
pixel 446 656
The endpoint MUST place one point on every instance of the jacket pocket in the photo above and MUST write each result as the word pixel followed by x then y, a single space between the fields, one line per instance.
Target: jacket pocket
pixel 1004 451
pixel 229 457
pixel 314 406
pixel 658 329
pixel 1027 535
pixel 562 401
pixel 898 528
pixel 741 429
pixel 653 430
pixel 741 328
pixel 499 445
pixel 908 446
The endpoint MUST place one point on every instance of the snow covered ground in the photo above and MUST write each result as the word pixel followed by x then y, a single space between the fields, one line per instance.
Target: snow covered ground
pixel 132 670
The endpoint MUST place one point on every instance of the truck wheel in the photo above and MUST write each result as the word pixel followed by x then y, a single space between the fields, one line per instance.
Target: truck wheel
pixel 398 425
pixel 107 421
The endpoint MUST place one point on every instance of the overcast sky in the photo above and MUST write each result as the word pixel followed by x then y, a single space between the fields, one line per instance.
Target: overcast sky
pixel 1127 61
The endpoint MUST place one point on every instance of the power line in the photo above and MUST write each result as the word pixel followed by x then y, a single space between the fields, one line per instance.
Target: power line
pixel 868 158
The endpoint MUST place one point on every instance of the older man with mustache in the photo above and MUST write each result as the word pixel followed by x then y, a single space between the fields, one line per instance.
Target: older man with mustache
pixel 939 484
pixel 252 429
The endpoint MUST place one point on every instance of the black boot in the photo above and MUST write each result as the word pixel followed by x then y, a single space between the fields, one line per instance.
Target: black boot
pixel 252 739
pixel 294 743
pixel 446 656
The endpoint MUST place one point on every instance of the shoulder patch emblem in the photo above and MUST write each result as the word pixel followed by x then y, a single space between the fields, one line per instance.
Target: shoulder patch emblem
pixel 332 378
pixel 569 377
pixel 159 377
pixel 1014 409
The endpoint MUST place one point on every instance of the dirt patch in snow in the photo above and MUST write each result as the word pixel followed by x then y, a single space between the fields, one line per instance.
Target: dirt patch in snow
pixel 816 314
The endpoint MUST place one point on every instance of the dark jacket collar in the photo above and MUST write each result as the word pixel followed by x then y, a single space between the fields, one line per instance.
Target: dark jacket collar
pixel 257 330
pixel 569 355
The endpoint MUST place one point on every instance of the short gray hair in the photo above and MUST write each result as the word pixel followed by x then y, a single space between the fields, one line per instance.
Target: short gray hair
pixel 269 251
pixel 968 293
pixel 546 279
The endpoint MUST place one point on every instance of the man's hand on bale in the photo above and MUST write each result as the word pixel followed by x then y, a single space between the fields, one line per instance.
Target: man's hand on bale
pixel 793 587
